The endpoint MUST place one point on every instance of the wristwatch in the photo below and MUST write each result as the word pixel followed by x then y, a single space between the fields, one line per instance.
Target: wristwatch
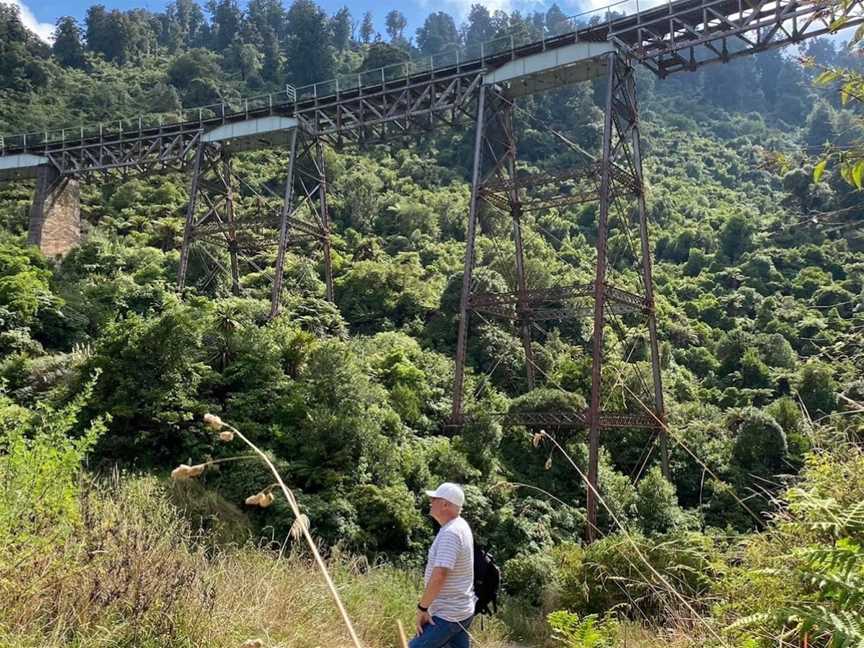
pixel 421 608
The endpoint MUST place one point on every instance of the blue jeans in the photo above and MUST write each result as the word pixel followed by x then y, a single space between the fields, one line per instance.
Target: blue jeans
pixel 444 634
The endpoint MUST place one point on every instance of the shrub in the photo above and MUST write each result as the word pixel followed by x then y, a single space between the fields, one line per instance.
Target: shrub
pixel 656 505
pixel 39 463
pixel 529 577
pixel 817 388
pixel 760 442
pixel 390 518
pixel 611 574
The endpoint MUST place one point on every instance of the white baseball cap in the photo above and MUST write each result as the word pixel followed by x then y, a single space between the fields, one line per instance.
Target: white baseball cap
pixel 450 492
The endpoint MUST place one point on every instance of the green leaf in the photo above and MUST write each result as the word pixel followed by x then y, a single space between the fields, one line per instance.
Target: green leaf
pixel 827 77
pixel 858 174
pixel 838 24
pixel 819 169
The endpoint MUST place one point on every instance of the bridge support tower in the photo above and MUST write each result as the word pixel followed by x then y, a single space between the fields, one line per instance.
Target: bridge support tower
pixel 55 215
pixel 614 181
pixel 234 226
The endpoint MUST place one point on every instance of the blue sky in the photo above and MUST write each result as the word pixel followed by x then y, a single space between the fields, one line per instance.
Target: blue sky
pixel 40 15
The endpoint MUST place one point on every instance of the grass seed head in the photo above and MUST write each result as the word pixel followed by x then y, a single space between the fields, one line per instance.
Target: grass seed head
pixel 300 523
pixel 185 471
pixel 252 500
pixel 549 463
pixel 226 436
pixel 536 439
pixel 213 422
pixel 265 499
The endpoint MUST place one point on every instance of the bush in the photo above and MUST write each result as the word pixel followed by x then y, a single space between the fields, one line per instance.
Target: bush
pixel 760 443
pixel 817 389
pixel 656 505
pixel 39 463
pixel 529 577
pixel 610 573
pixel 390 519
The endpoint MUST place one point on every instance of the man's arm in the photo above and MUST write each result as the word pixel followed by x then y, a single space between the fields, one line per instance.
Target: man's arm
pixel 433 588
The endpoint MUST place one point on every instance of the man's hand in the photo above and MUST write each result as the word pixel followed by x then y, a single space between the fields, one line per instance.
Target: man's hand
pixel 423 619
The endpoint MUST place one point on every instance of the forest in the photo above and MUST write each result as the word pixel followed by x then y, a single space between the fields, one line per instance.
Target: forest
pixel 753 173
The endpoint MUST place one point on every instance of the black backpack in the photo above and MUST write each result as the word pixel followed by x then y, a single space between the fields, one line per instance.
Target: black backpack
pixel 487 581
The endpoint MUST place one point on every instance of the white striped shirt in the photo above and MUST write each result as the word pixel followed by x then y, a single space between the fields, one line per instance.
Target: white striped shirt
pixel 453 548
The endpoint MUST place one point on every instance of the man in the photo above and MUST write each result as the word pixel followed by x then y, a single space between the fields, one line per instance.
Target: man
pixel 446 608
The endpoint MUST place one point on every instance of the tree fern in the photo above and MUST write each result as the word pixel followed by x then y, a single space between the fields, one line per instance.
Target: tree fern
pixel 831 574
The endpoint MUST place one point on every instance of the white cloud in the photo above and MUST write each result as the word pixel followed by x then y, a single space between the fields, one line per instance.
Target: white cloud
pixel 45 31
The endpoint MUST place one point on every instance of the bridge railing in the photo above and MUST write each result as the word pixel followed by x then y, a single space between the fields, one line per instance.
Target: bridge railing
pixel 453 57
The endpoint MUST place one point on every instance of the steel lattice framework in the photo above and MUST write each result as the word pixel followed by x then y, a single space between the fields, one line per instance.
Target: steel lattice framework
pixel 614 181
pixel 248 231
pixel 686 35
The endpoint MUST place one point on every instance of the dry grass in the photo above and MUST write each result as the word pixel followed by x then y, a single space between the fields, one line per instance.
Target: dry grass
pixel 134 573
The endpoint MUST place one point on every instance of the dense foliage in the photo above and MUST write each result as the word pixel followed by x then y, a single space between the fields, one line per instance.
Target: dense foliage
pixel 760 293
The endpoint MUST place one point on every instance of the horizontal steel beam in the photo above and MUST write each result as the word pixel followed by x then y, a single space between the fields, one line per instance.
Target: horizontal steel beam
pixel 577 420
pixel 555 303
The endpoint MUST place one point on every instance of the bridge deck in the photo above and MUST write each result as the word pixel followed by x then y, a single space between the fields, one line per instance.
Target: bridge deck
pixel 675 36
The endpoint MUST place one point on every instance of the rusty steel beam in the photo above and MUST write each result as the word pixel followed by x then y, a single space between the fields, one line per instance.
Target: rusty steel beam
pixel 218 222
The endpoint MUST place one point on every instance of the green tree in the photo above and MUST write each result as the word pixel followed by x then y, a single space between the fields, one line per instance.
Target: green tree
pixel 478 30
pixel 556 21
pixel 340 28
pixel 148 373
pixel 106 33
pixel 24 287
pixel 380 55
pixel 760 445
pixel 754 372
pixel 736 236
pixel 396 23
pixel 821 125
pixel 183 25
pixel 817 388
pixel 194 64
pixel 225 22
pixel 67 47
pixel 391 521
pixel 309 58
pixel 367 28
pixel 437 34
pixel 656 505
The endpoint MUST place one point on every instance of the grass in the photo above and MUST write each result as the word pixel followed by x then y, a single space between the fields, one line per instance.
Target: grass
pixel 134 572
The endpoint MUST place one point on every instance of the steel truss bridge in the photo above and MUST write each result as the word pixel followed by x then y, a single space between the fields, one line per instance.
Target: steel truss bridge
pixel 252 226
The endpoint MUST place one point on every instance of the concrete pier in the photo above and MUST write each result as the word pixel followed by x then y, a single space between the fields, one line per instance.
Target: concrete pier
pixel 55 216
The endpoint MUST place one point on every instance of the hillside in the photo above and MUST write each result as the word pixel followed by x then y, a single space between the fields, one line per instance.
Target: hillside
pixel 106 373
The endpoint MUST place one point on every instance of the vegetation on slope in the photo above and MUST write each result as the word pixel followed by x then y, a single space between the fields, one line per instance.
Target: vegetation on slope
pixel 760 281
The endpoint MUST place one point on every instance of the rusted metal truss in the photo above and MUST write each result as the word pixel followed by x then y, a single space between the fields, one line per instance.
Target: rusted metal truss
pixel 676 36
pixel 378 113
pixel 685 35
pixel 558 303
pixel 566 420
pixel 621 149
pixel 148 151
pixel 230 224
pixel 614 180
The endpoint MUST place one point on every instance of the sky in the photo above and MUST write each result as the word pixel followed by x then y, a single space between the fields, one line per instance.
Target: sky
pixel 41 15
